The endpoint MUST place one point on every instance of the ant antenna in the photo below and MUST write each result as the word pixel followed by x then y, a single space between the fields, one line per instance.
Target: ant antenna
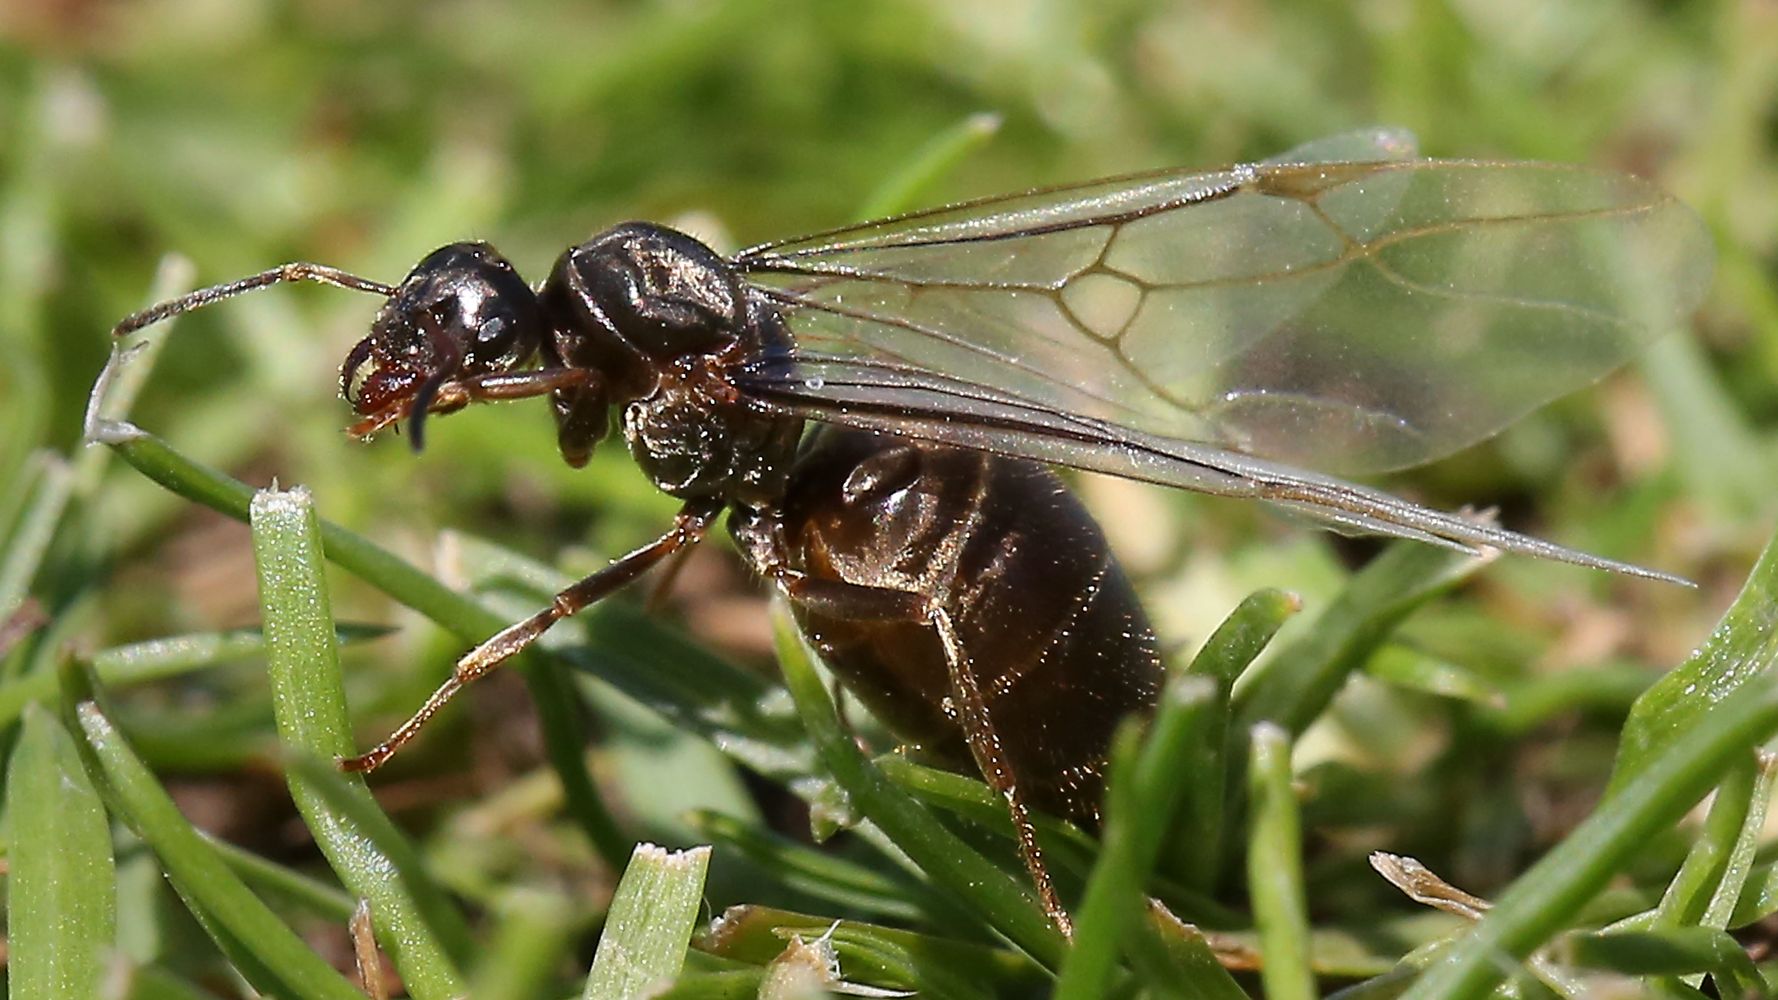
pixel 299 271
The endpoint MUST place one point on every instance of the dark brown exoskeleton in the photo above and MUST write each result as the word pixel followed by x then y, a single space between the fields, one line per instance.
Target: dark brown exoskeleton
pixel 958 594
pixel 964 598
pixel 1344 308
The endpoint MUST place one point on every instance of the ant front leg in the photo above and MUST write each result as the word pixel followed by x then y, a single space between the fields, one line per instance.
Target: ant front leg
pixel 859 603
pixel 688 529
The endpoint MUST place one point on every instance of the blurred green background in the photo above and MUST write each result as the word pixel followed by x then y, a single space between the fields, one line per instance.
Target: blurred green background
pixel 239 134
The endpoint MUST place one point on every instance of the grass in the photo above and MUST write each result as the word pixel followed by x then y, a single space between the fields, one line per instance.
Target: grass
pixel 173 680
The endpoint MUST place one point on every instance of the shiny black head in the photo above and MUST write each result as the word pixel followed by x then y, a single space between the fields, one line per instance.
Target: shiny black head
pixel 463 311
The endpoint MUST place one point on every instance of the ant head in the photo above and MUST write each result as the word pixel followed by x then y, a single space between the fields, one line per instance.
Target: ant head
pixel 462 311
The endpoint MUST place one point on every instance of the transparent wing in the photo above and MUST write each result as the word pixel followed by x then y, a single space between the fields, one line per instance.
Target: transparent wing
pixel 912 402
pixel 1349 316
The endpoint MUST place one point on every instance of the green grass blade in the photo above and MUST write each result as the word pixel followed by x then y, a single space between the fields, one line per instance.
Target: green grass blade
pixel 883 956
pixel 1741 650
pixel 146 982
pixel 326 900
pixel 24 549
pixel 649 923
pixel 1672 951
pixel 1294 687
pixel 153 458
pixel 561 710
pixel 1242 636
pixel 1546 897
pixel 564 741
pixel 520 963
pixel 214 891
pixel 1275 869
pixel 309 699
pixel 61 905
pixel 1175 961
pixel 1007 904
pixel 729 984
pixel 156 659
pixel 1412 670
pixel 1737 867
pixel 1739 799
pixel 1202 828
pixel 821 875
pixel 655 665
pixel 903 189
pixel 1147 785
pixel 1115 886
pixel 1065 847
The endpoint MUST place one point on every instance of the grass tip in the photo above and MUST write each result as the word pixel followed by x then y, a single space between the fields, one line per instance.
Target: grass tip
pixel 689 859
pixel 275 501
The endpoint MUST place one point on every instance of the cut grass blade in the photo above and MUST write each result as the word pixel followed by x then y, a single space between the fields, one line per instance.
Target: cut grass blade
pixel 1275 869
pixel 649 924
pixel 1007 904
pixel 934 965
pixel 281 964
pixel 309 700
pixel 61 904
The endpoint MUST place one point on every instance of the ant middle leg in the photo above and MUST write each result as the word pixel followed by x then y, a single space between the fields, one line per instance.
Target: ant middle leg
pixel 688 529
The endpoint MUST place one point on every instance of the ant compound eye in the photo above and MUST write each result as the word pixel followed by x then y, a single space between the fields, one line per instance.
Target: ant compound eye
pixel 495 334
pixel 504 327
